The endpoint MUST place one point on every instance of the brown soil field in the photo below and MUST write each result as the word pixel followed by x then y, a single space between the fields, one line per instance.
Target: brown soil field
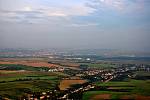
pixel 127 97
pixel 140 97
pixel 136 97
pixel 101 97
pixel 30 63
pixel 64 84
pixel 8 71
pixel 70 64
pixel 5 73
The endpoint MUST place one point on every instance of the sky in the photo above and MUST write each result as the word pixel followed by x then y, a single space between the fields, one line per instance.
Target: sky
pixel 77 24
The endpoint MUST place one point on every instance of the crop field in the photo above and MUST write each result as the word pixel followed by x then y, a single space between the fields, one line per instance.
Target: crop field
pixel 30 63
pixel 6 76
pixel 19 67
pixel 71 64
pixel 14 84
pixel 64 84
pixel 117 90
pixel 99 65
pixel 101 96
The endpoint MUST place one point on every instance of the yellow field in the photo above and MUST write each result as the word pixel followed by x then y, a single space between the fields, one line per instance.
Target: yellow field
pixel 64 84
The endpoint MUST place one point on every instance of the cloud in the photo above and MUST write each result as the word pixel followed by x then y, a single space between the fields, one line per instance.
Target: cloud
pixel 20 15
pixel 84 25
pixel 44 12
pixel 77 10
pixel 118 5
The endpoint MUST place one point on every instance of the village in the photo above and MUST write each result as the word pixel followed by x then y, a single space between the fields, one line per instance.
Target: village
pixel 93 75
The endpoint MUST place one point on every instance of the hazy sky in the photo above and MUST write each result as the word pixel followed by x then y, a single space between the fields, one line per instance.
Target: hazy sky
pixel 110 24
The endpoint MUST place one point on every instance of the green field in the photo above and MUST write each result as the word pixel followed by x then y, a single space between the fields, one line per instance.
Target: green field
pixel 17 80
pixel 21 67
pixel 16 76
pixel 15 90
pixel 15 84
pixel 139 87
